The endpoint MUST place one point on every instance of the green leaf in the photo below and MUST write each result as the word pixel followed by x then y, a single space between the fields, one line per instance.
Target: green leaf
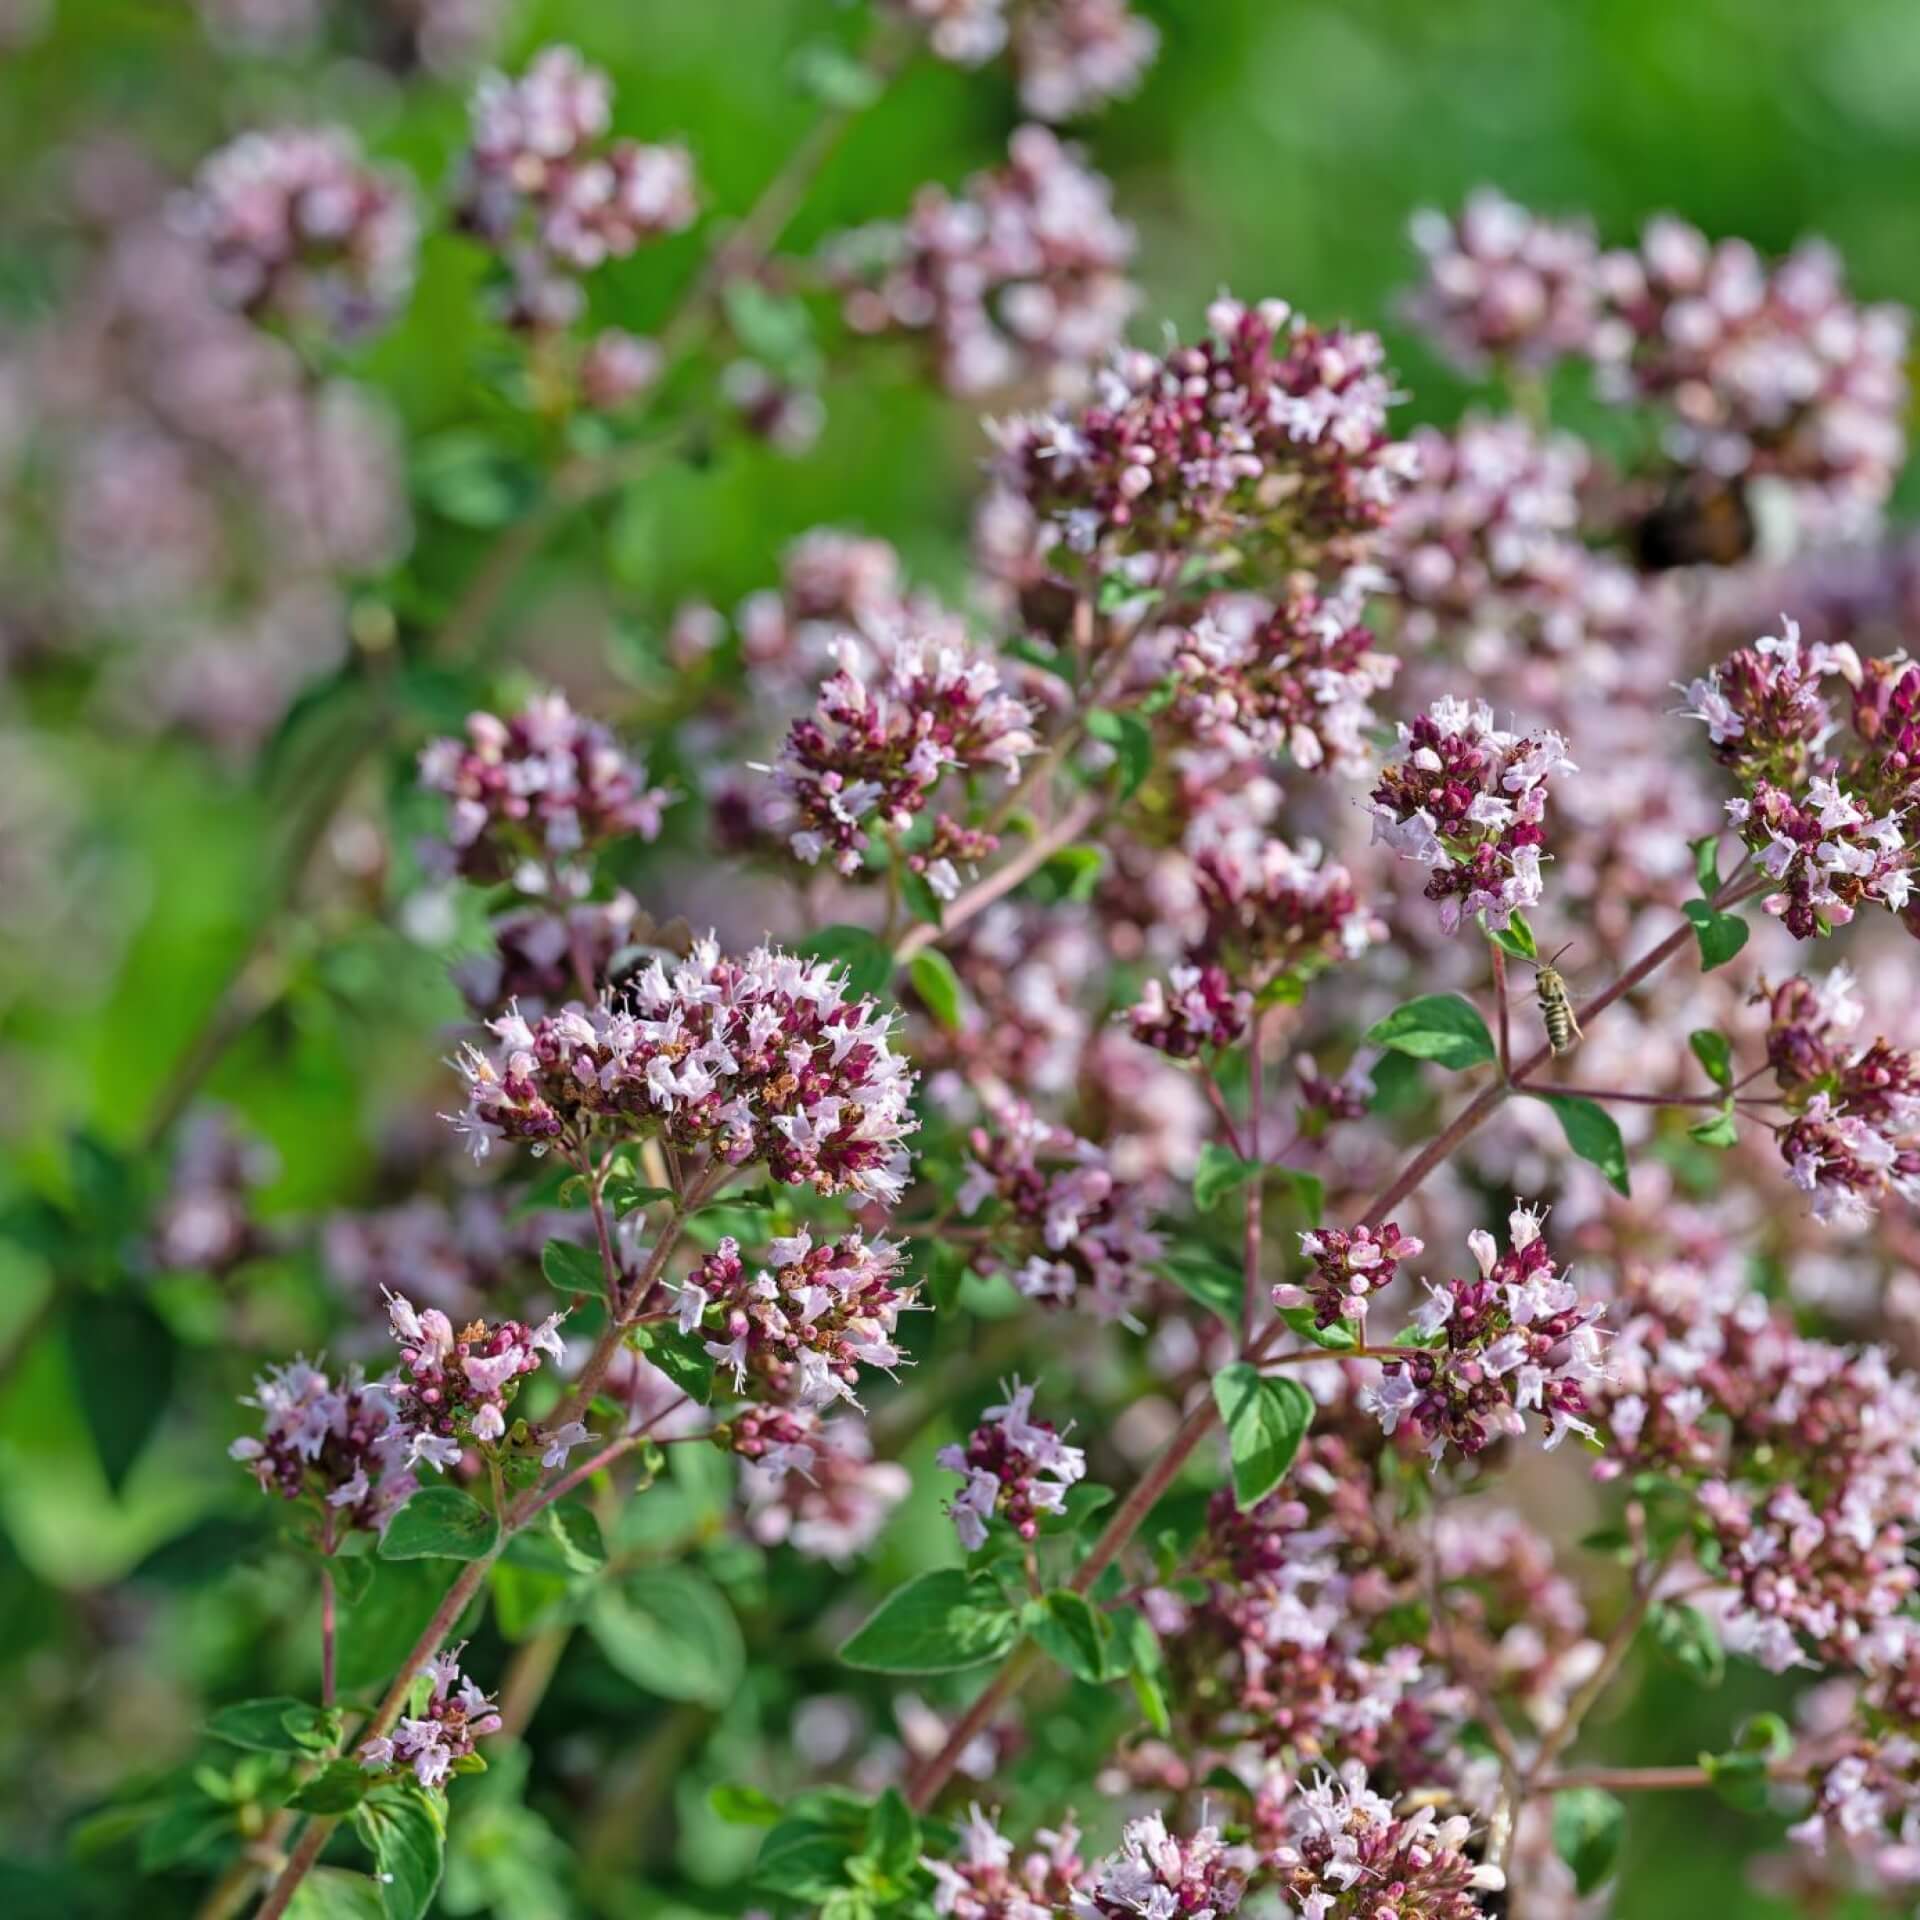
pixel 278 1724
pixel 440 1523
pixel 1066 1628
pixel 893 1835
pixel 337 1788
pixel 804 1857
pixel 1593 1134
pixel 1266 1421
pixel 1718 1130
pixel 573 1269
pixel 682 1357
pixel 407 1835
pixel 332 1893
pixel 1136 1652
pixel 865 958
pixel 122 1361
pixel 1516 937
pixel 1205 1277
pixel 1766 1734
pixel 1706 864
pixel 1132 742
pixel 1220 1171
pixel 1439 1026
pixel 922 902
pixel 773 327
pixel 834 77
pixel 1721 935
pixel 938 1623
pixel 1711 1049
pixel 671 1631
pixel 1076 872
pixel 935 981
pixel 1740 1779
pixel 1309 1189
pixel 1587 1825
pixel 1688 1638
pixel 741 1806
pixel 1336 1338
pixel 469 479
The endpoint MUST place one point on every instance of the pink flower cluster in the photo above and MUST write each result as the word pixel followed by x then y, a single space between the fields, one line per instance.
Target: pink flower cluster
pixel 344 1444
pixel 888 728
pixel 1760 370
pixel 433 1740
pixel 1298 677
pixel 1854 1132
pixel 823 1494
pixel 1517 1340
pixel 1197 1008
pixel 1346 1854
pixel 761 1059
pixel 1266 436
pixel 1486 549
pixel 544 187
pixel 1277 912
pixel 983 1880
pixel 1349 1268
pixel 1016 1468
pixel 800 1329
pixel 1066 1229
pixel 1024 273
pixel 1276 1652
pixel 1466 800
pixel 1825 830
pixel 1157 1873
pixel 208 1220
pixel 295 227
pixel 1504 285
pixel 539 956
pixel 532 796
pixel 1069 56
pixel 458 1386
pixel 1802 1454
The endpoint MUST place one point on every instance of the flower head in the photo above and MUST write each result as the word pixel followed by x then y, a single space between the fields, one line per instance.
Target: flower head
pixel 818 1488
pixel 344 1444
pixel 544 186
pixel 1517 1340
pixel 988 1878
pixel 1504 284
pixel 1853 1135
pixel 1157 1874
pixel 1761 369
pixel 1346 1854
pixel 1349 1267
pixel 800 1328
pixel 1266 436
pixel 1468 802
pixel 432 1740
pixel 1015 1467
pixel 1066 1229
pixel 761 1059
pixel 456 1386
pixel 1299 679
pixel 883 735
pixel 531 797
pixel 1025 272
pixel 296 227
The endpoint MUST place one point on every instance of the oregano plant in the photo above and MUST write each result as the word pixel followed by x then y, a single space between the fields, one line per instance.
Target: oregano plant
pixel 1122 1229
